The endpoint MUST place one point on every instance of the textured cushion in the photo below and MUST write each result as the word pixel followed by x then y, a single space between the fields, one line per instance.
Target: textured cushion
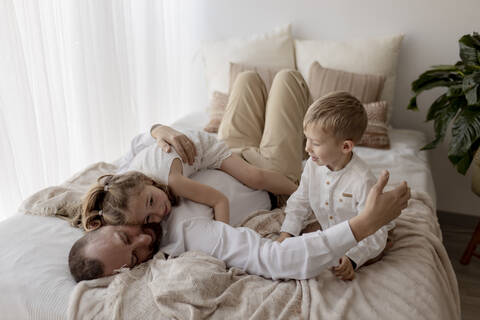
pixel 365 56
pixel 271 50
pixel 365 87
pixel 376 134
pixel 218 103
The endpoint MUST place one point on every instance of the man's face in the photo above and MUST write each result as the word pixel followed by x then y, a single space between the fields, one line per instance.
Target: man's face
pixel 124 246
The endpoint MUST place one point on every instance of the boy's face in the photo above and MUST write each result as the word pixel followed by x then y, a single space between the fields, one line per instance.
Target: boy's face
pixel 325 149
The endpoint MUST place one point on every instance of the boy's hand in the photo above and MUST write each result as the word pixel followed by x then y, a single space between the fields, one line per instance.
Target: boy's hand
pixel 345 270
pixel 283 236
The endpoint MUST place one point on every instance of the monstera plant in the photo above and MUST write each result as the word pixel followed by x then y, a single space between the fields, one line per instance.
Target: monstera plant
pixel 457 109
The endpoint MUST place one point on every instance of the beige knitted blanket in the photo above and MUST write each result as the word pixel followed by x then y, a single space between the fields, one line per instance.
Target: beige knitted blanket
pixel 414 280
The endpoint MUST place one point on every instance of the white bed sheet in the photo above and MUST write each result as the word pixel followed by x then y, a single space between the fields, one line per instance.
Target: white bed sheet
pixel 34 279
pixel 35 282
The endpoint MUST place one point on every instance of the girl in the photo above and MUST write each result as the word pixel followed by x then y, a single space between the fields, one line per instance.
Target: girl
pixel 150 181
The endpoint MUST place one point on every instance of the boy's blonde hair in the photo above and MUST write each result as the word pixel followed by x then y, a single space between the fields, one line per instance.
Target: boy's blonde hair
pixel 106 202
pixel 340 114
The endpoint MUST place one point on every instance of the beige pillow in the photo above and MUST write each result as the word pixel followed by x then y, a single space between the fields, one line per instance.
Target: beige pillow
pixel 376 134
pixel 272 49
pixel 218 103
pixel 219 100
pixel 378 55
pixel 267 74
pixel 365 87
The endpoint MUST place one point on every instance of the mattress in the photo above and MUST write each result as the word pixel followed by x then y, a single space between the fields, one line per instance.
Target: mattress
pixel 34 278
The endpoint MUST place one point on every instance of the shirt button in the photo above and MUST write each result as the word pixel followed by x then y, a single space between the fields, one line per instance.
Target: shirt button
pixel 326 203
pixel 328 182
pixel 331 218
pixel 341 200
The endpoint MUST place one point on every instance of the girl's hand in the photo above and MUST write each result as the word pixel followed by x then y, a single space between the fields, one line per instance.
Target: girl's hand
pixel 345 270
pixel 168 137
pixel 283 236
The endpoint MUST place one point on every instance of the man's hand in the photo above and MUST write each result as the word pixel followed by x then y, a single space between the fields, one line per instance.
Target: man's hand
pixel 380 207
pixel 283 236
pixel 345 270
pixel 168 137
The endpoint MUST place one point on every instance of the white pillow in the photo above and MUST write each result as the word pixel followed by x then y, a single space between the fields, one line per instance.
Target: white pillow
pixel 271 50
pixel 366 56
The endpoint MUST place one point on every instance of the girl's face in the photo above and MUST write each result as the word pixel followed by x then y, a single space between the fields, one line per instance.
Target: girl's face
pixel 151 205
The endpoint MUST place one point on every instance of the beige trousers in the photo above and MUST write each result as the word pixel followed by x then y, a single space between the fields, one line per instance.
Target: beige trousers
pixel 267 129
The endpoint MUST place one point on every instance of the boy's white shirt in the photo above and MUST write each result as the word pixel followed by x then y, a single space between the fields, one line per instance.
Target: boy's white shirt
pixel 334 197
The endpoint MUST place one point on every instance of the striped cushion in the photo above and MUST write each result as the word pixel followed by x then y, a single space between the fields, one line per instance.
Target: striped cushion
pixel 365 87
pixel 376 134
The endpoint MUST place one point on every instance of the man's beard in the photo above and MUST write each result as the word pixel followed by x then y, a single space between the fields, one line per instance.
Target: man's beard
pixel 157 229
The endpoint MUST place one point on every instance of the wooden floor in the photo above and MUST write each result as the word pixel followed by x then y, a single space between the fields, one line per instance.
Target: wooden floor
pixel 457 230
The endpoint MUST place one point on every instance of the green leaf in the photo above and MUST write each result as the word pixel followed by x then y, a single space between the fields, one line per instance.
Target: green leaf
pixel 465 132
pixel 469 49
pixel 442 111
pixel 412 105
pixel 444 67
pixel 435 78
pixel 462 163
pixel 455 91
pixel 470 86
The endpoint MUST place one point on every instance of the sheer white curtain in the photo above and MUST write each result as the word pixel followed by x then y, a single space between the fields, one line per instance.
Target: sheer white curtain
pixel 78 78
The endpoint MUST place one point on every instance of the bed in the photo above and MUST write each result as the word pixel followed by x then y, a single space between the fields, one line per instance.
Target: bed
pixel 414 280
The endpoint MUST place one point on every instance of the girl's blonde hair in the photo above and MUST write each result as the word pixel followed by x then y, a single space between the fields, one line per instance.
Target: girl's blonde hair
pixel 106 202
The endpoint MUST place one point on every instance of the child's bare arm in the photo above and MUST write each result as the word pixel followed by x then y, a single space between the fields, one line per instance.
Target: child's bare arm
pixel 257 178
pixel 344 270
pixel 283 236
pixel 187 188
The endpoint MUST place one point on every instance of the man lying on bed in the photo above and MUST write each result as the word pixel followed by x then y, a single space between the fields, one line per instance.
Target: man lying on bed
pixel 100 252
pixel 269 140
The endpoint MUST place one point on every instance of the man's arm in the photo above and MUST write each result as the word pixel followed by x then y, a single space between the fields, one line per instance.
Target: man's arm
pixel 299 257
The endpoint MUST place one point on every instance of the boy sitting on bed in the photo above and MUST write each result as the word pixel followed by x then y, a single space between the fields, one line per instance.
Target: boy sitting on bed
pixel 335 181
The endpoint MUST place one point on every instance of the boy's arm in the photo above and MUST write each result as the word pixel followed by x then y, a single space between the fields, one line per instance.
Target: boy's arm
pixel 201 193
pixel 373 245
pixel 298 207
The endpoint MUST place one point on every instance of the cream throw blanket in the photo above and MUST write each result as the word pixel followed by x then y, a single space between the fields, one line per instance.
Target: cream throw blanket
pixel 414 280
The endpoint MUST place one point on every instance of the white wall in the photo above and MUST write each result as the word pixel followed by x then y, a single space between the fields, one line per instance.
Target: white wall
pixel 431 27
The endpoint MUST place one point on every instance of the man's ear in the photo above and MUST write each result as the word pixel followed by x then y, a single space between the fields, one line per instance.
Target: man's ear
pixel 347 146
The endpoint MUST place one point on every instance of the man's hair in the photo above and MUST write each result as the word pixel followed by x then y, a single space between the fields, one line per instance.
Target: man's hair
pixel 81 267
pixel 340 114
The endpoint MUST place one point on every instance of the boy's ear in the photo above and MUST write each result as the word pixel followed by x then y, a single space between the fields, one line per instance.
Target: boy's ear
pixel 347 146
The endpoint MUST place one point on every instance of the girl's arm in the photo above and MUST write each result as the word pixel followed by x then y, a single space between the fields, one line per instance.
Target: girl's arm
pixel 257 178
pixel 187 188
